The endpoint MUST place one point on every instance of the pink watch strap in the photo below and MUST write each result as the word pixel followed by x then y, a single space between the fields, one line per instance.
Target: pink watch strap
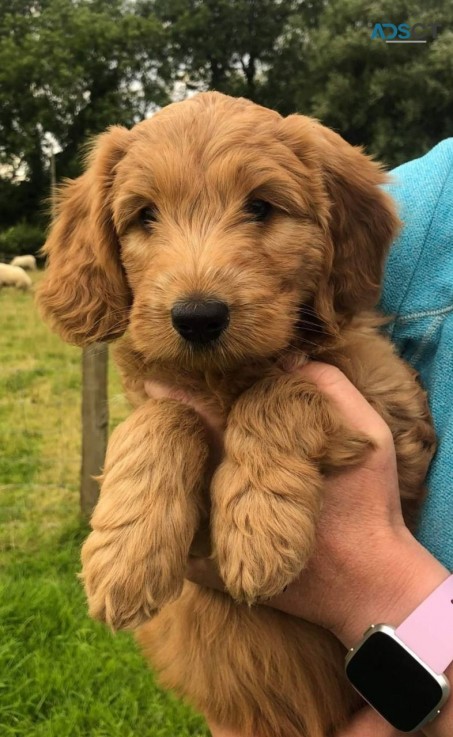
pixel 428 631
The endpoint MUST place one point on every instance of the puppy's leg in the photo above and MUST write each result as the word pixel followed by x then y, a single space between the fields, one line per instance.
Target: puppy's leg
pixel 266 494
pixel 147 514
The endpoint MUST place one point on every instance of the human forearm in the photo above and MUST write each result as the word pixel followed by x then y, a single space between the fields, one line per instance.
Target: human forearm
pixel 411 575
pixel 388 586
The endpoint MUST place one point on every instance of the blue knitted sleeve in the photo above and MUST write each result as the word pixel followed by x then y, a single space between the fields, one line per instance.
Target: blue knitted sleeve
pixel 418 292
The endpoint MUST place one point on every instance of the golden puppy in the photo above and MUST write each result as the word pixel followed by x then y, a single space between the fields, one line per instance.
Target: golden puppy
pixel 226 239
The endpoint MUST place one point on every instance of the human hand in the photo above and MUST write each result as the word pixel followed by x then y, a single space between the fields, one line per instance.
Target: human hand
pixel 366 723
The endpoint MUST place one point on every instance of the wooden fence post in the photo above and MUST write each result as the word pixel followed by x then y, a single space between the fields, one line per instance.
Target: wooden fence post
pixel 95 420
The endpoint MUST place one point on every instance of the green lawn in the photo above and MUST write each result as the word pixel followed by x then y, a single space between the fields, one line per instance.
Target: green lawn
pixel 61 675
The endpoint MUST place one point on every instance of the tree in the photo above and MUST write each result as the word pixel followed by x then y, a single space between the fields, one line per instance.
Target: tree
pixel 396 99
pixel 317 57
pixel 68 69
pixel 225 45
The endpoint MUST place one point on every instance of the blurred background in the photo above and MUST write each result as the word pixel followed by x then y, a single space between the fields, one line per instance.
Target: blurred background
pixel 69 69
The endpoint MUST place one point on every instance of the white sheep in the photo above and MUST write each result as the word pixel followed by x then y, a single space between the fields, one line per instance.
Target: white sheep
pixel 14 276
pixel 25 262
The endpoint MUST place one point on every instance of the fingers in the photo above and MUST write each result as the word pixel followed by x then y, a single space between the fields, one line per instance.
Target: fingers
pixel 159 390
pixel 368 723
pixel 353 407
pixel 217 731
pixel 203 571
pixel 357 412
pixel 214 422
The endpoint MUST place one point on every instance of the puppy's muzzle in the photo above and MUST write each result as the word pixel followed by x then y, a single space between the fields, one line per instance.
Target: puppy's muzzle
pixel 200 321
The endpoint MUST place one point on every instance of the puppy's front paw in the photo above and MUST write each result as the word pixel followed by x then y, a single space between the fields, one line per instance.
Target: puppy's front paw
pixel 252 576
pixel 127 577
pixel 262 538
pixel 134 560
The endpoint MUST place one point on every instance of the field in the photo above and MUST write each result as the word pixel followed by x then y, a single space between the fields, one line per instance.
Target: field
pixel 61 675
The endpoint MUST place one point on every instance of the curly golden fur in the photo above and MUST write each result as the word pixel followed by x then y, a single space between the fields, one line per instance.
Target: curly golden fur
pixel 303 281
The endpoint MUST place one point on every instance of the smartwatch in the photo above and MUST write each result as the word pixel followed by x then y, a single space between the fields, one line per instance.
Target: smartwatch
pixel 399 672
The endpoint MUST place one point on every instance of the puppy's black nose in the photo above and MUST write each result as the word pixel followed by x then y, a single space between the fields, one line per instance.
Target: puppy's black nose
pixel 200 322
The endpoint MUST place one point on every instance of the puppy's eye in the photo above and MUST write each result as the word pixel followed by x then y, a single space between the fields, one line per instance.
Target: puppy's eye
pixel 258 209
pixel 148 215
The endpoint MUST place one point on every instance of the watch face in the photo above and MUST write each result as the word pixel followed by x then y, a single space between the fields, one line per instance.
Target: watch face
pixel 393 681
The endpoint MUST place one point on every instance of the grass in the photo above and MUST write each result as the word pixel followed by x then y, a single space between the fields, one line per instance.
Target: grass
pixel 61 675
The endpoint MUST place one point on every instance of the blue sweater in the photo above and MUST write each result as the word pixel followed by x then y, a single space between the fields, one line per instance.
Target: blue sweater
pixel 418 290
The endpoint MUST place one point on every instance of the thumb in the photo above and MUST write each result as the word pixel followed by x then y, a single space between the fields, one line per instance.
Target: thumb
pixel 356 412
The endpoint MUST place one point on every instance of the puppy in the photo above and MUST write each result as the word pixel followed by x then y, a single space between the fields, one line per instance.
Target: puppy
pixel 224 241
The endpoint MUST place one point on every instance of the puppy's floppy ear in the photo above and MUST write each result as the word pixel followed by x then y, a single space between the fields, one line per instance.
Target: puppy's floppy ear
pixel 362 221
pixel 84 294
